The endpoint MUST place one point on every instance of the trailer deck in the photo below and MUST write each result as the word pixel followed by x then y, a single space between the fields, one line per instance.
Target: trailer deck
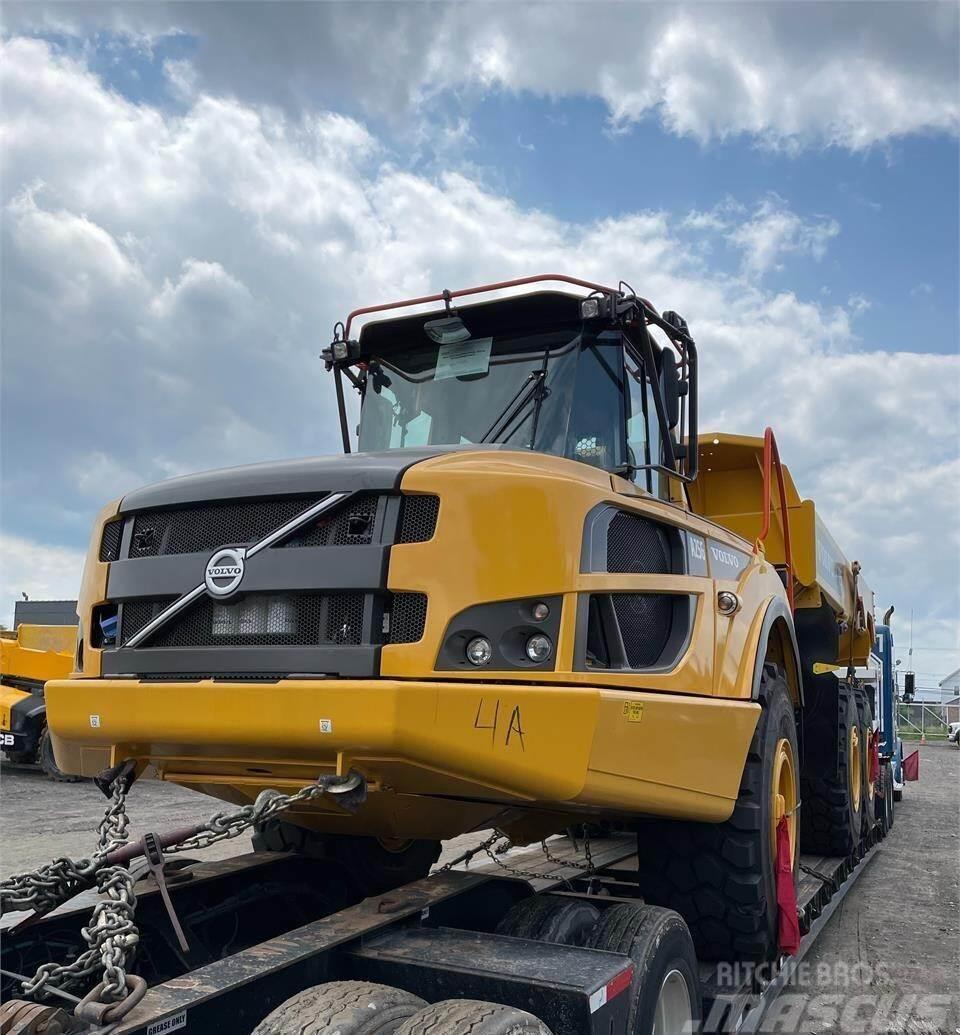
pixel 434 937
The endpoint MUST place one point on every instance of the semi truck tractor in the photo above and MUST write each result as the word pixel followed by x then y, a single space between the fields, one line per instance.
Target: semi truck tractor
pixel 530 596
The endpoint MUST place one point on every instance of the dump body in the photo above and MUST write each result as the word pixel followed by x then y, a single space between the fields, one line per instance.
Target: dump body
pixel 29 658
pixel 730 491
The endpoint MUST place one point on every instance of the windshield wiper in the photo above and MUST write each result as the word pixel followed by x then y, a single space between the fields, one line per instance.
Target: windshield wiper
pixel 529 390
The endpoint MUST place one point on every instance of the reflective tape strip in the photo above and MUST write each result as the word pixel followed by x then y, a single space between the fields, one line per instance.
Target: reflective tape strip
pixel 611 989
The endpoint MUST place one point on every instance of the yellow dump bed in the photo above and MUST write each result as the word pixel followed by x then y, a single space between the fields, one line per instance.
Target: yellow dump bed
pixel 730 490
pixel 36 653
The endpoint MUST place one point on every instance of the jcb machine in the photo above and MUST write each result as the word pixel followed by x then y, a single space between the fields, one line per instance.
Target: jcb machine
pixel 534 599
pixel 29 656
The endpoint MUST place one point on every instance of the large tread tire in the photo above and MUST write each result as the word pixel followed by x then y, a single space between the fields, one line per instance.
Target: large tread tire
pixel 342 1008
pixel 472 1017
pixel 48 763
pixel 369 867
pixel 658 941
pixel 884 799
pixel 721 877
pixel 544 919
pixel 831 822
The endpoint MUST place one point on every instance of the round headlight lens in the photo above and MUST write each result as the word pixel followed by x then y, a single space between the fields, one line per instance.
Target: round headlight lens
pixel 541 612
pixel 539 648
pixel 479 651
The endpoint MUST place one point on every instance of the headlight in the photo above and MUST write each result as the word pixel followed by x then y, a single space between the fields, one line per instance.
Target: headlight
pixel 479 651
pixel 539 648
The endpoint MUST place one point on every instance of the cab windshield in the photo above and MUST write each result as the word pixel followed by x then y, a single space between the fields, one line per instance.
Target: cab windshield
pixel 568 392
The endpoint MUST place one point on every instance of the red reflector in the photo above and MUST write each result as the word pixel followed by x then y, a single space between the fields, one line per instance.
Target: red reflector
pixel 611 989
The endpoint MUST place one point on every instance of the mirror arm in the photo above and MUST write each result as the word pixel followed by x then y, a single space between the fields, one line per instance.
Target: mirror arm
pixel 650 370
pixel 341 406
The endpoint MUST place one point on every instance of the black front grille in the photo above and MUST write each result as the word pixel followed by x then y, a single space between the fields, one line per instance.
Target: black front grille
pixel 637 546
pixel 138 613
pixel 351 524
pixel 206 526
pixel 645 621
pixel 408 617
pixel 263 620
pixel 110 540
pixel 418 521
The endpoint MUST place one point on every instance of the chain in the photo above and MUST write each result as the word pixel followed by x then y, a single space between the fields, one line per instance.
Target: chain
pixel 494 851
pixel 112 934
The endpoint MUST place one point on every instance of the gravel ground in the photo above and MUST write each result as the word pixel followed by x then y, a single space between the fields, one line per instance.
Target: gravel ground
pixel 890 951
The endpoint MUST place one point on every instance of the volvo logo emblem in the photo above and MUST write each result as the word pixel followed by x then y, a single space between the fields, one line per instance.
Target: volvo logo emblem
pixel 224 572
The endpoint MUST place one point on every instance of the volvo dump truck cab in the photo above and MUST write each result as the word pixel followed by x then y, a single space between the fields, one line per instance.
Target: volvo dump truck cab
pixel 535 597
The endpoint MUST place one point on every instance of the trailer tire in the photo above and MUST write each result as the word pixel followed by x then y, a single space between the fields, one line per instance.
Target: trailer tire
pixel 48 763
pixel 884 800
pixel 721 877
pixel 544 919
pixel 831 817
pixel 661 947
pixel 472 1017
pixel 371 867
pixel 342 1008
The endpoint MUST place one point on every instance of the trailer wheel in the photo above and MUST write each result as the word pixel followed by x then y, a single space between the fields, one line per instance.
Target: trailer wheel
pixel 48 762
pixel 544 919
pixel 665 997
pixel 342 1008
pixel 472 1017
pixel 832 810
pixel 371 866
pixel 721 877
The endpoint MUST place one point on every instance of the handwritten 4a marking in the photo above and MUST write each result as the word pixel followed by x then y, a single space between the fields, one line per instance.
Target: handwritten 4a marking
pixel 490 718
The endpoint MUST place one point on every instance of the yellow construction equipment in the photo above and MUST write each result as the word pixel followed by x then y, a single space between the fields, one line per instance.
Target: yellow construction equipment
pixel 29 657
pixel 534 598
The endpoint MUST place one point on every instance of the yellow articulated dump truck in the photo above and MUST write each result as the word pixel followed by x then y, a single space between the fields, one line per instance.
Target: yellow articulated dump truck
pixel 30 656
pixel 529 596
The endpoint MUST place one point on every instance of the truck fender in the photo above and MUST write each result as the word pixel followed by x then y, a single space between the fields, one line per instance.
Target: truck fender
pixel 778 621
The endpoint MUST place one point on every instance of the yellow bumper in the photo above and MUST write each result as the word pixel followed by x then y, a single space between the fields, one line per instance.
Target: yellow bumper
pixel 447 756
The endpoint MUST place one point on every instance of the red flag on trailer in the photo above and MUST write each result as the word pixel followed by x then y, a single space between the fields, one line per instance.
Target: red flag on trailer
pixel 789 922
pixel 911 766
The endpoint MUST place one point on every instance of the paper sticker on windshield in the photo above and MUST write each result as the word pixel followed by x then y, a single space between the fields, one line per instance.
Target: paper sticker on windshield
pixel 463 357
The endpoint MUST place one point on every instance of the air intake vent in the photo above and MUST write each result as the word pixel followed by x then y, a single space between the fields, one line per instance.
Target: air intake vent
pixel 350 524
pixel 408 617
pixel 418 521
pixel 255 620
pixel 110 541
pixel 645 621
pixel 637 546
pixel 209 525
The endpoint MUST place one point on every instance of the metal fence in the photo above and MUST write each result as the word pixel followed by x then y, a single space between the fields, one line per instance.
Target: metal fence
pixel 926 720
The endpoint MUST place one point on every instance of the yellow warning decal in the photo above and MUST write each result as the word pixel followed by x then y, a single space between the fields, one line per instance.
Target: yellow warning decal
pixel 633 711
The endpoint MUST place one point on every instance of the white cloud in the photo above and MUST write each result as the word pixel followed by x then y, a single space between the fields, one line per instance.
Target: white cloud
pixel 42 572
pixel 786 75
pixel 774 230
pixel 167 290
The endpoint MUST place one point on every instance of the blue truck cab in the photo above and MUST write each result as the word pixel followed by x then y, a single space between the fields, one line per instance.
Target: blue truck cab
pixel 885 705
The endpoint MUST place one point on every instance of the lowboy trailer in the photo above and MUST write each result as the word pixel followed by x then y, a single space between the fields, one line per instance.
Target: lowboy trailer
pixel 272 952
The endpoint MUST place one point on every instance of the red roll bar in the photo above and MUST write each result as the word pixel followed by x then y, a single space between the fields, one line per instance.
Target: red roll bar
pixel 771 460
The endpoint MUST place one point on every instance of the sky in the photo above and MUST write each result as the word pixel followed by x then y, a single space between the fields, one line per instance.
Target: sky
pixel 193 194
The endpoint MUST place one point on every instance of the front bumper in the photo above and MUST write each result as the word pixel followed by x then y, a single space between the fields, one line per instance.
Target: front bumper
pixel 428 743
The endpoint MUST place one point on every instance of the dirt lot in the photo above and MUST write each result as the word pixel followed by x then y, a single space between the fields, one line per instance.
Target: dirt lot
pixel 888 961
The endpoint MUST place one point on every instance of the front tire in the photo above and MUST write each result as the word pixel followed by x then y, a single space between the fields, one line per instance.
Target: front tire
pixel 721 877
pixel 48 763
pixel 371 867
